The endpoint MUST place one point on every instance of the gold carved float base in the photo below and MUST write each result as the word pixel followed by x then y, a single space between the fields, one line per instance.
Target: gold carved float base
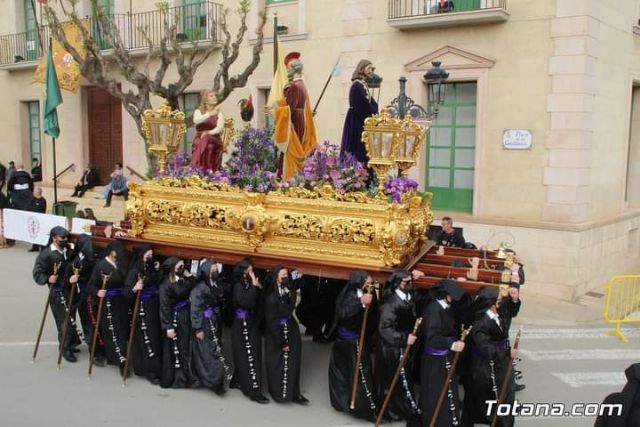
pixel 351 229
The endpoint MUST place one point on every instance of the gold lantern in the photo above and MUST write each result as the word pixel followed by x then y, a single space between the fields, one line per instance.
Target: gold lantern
pixel 410 142
pixel 381 139
pixel 164 130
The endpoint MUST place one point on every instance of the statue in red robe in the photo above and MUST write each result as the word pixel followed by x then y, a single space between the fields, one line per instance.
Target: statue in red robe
pixel 207 147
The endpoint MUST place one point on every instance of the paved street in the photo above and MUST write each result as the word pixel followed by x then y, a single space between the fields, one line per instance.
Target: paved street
pixel 561 363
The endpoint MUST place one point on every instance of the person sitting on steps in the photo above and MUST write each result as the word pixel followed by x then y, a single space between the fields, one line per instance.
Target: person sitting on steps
pixel 118 187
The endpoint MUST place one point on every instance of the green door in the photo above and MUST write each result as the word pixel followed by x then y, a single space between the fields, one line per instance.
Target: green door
pixel 451 150
pixel 31 32
pixel 195 19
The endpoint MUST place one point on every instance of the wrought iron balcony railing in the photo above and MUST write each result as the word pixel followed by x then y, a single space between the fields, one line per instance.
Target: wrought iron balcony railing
pixel 195 22
pixel 416 8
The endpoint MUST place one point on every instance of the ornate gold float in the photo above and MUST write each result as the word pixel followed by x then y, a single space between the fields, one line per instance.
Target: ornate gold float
pixel 323 224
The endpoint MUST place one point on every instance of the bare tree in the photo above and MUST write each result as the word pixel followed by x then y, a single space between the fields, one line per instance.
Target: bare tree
pixel 107 69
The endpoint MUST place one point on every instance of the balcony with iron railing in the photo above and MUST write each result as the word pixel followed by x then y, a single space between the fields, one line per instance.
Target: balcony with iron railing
pixel 412 14
pixel 198 22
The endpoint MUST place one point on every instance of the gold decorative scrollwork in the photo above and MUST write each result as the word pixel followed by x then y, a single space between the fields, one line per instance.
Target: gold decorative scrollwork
pixel 308 224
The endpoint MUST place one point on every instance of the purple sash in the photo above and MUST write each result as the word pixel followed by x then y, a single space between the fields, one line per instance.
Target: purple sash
pixel 181 305
pixel 148 293
pixel 115 292
pixel 438 352
pixel 283 320
pixel 210 312
pixel 347 334
pixel 242 314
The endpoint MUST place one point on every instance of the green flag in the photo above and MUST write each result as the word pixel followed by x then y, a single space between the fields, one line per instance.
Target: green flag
pixel 52 98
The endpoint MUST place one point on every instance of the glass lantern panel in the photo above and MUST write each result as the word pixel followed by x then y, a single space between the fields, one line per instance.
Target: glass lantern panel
pixel 387 139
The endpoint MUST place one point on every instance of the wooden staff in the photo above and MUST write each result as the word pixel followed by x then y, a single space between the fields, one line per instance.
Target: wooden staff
pixel 445 386
pixel 56 267
pixel 67 317
pixel 363 330
pixel 506 379
pixel 394 381
pixel 94 339
pixel 132 332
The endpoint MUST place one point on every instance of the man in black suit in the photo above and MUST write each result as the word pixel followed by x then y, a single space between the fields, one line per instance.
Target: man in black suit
pixel 89 180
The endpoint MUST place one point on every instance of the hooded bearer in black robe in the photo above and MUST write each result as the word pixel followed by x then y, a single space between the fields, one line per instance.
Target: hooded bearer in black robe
pixel 350 307
pixel 440 342
pixel 49 269
pixel 175 321
pixel 114 323
pixel 144 276
pixel 283 342
pixel 491 354
pixel 397 319
pixel 245 335
pixel 207 302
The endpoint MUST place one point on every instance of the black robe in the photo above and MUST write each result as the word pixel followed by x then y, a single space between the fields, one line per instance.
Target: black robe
pixel 439 333
pixel 114 321
pixel 282 330
pixel 245 339
pixel 175 314
pixel 629 398
pixel 146 351
pixel 397 318
pixel 342 363
pixel 45 264
pixel 209 363
pixel 490 357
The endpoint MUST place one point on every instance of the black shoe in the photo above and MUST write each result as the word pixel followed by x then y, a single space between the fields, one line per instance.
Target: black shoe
pixel 301 400
pixel 69 356
pixel 220 390
pixel 234 384
pixel 75 350
pixel 520 387
pixel 99 361
pixel 259 398
pixel 34 250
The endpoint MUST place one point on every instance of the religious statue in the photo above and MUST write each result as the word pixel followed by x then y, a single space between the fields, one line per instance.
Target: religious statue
pixel 207 147
pixel 295 131
pixel 361 106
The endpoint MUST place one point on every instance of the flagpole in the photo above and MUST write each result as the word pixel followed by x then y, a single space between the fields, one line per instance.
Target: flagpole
pixel 275 42
pixel 55 176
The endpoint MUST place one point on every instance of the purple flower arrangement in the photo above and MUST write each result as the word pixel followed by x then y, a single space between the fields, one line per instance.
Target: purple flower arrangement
pixel 397 187
pixel 324 166
pixel 253 163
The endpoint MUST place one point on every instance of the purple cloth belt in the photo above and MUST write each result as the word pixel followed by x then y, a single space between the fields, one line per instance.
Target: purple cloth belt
pixel 283 320
pixel 115 292
pixel 347 334
pixel 210 312
pixel 148 293
pixel 181 305
pixel 242 314
pixel 439 352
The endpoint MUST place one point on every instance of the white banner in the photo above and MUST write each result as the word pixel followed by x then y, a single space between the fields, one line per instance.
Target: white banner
pixel 81 225
pixel 30 227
